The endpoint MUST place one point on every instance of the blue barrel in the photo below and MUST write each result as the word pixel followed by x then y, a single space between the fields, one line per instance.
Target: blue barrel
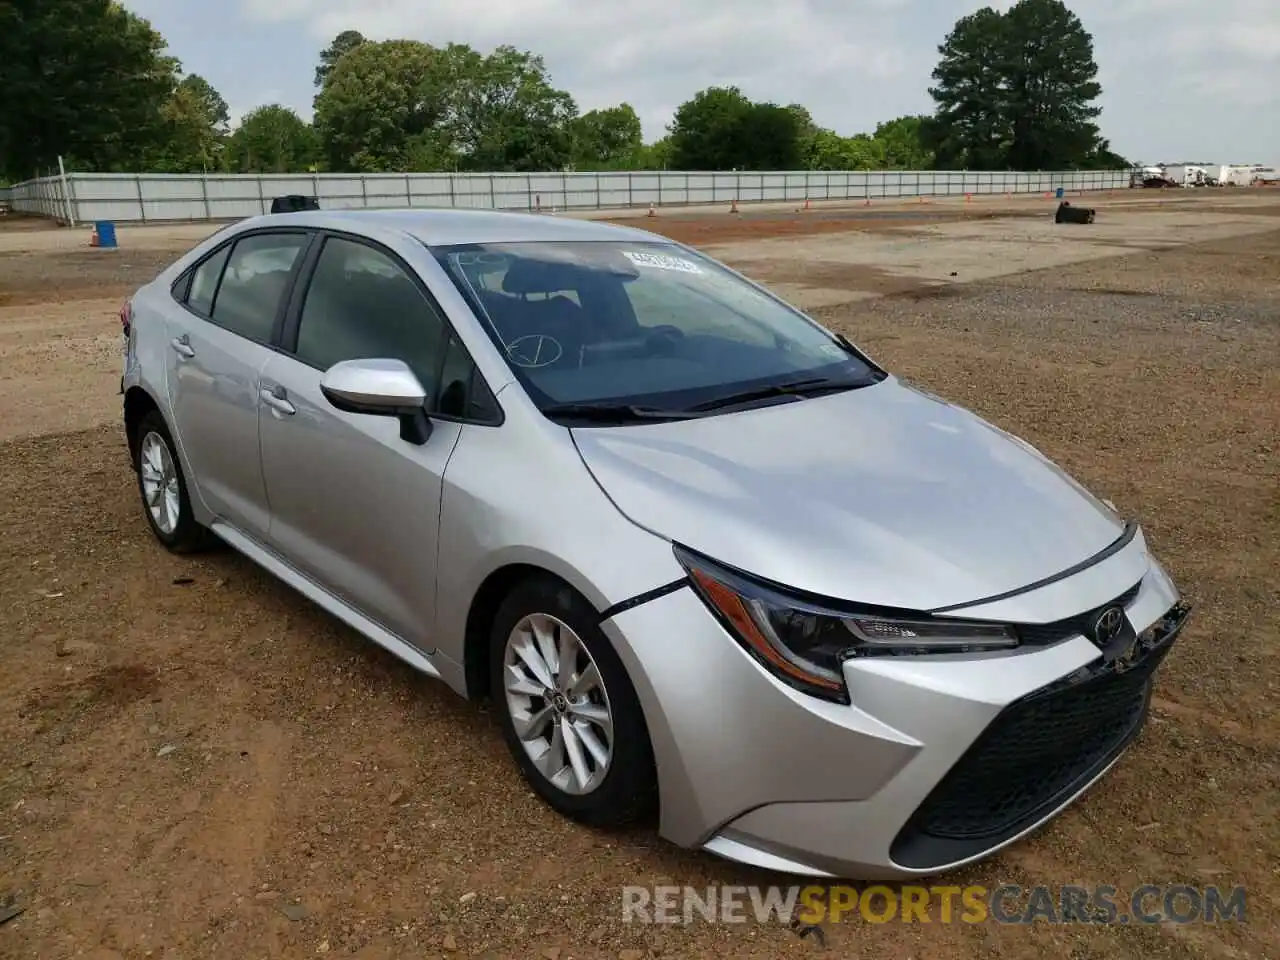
pixel 106 231
pixel 1061 193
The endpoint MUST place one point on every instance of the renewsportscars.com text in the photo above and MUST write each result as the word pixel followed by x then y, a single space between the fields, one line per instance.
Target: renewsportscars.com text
pixel 1007 904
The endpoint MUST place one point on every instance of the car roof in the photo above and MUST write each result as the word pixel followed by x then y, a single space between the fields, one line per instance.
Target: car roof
pixel 443 227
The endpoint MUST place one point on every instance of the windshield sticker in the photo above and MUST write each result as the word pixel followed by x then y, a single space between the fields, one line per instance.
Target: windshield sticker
pixel 661 261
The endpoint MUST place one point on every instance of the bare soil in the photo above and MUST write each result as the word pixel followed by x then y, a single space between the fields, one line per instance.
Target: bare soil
pixel 748 224
pixel 196 762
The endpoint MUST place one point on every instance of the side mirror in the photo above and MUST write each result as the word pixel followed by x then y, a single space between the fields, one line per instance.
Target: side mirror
pixel 380 388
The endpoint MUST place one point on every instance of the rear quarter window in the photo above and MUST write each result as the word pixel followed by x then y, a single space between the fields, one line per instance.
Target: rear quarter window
pixel 204 282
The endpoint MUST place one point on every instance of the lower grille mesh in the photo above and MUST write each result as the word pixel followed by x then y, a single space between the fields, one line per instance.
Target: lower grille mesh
pixel 1035 754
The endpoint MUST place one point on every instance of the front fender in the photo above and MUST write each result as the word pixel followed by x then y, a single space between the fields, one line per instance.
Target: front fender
pixel 520 495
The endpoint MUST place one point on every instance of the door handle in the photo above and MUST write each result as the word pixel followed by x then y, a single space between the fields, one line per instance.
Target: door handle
pixel 277 402
pixel 182 347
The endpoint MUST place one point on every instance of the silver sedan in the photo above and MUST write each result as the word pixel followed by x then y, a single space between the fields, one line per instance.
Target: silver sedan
pixel 708 558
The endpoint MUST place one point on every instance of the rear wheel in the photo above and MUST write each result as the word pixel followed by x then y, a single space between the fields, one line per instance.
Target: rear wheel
pixel 164 489
pixel 569 712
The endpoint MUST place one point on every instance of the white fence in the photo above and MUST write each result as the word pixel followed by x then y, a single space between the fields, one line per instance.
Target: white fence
pixel 158 197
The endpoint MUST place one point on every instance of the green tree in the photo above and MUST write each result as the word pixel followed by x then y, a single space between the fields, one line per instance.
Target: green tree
pixel 720 129
pixel 194 122
pixel 379 102
pixel 805 127
pixel 1104 158
pixel 970 127
pixel 1016 91
pixel 211 103
pixel 1052 85
pixel 902 141
pixel 272 139
pixel 767 137
pixel 827 150
pixel 343 43
pixel 505 114
pixel 806 131
pixel 84 79
pixel 655 156
pixel 705 132
pixel 610 139
pixel 189 142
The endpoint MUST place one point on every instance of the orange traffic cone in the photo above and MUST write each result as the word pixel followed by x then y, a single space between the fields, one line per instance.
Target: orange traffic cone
pixel 807 205
pixel 733 207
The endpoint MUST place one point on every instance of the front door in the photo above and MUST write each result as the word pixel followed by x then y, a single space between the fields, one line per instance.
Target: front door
pixel 217 348
pixel 352 505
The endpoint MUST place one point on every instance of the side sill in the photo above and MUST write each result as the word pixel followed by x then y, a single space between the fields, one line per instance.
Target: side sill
pixel 324 599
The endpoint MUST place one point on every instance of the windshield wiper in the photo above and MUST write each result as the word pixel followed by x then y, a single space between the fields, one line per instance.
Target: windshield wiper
pixel 613 412
pixel 794 388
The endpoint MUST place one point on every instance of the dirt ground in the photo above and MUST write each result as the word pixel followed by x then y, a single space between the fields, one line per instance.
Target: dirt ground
pixel 196 762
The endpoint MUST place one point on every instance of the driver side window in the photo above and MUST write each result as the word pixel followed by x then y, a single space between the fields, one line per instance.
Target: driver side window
pixel 361 305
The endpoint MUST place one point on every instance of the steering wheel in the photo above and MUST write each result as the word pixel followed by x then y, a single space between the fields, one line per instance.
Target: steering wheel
pixel 663 338
pixel 534 351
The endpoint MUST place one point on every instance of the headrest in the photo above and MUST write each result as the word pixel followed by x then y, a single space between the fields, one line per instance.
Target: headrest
pixel 526 275
pixel 579 268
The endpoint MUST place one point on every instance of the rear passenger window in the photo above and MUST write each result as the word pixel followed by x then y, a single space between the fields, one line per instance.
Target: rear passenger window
pixel 204 282
pixel 362 306
pixel 254 283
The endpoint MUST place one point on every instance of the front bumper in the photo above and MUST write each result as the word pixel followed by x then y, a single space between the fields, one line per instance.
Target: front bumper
pixel 939 761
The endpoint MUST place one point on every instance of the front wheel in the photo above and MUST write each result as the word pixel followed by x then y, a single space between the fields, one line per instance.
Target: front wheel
pixel 164 489
pixel 570 714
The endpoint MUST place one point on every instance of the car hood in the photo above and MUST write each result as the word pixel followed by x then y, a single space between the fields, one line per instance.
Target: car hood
pixel 881 495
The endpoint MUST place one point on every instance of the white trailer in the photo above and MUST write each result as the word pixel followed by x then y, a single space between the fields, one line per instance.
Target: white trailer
pixel 1235 174
pixel 1187 174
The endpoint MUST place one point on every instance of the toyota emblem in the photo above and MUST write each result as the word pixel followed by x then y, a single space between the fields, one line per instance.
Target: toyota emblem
pixel 1108 626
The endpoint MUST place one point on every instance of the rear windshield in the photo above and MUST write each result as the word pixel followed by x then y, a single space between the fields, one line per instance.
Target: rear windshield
pixel 636 323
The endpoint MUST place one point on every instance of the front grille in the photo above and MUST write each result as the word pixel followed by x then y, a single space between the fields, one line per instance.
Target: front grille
pixel 1046 634
pixel 1033 757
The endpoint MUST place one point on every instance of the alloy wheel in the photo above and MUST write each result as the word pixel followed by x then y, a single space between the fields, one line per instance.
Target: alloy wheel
pixel 160 488
pixel 558 703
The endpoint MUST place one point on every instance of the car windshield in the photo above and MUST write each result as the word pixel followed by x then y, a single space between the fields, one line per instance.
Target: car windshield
pixel 647 327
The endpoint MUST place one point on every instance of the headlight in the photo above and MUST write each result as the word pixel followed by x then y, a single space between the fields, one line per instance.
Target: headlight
pixel 804 643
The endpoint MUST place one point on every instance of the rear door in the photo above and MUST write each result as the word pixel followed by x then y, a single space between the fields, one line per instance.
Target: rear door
pixel 218 346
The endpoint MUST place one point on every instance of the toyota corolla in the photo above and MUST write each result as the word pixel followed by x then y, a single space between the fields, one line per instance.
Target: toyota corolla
pixel 707 557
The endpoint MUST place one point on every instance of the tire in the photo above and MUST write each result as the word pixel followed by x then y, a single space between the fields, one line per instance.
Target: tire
pixel 155 459
pixel 622 790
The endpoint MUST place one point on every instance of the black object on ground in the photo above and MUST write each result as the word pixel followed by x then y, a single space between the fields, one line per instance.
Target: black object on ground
pixel 1069 214
pixel 294 203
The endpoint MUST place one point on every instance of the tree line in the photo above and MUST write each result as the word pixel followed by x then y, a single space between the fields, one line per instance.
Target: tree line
pixel 90 81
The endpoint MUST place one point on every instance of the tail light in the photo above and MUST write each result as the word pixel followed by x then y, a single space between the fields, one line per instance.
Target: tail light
pixel 126 316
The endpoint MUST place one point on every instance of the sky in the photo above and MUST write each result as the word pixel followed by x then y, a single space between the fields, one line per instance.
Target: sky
pixel 1182 79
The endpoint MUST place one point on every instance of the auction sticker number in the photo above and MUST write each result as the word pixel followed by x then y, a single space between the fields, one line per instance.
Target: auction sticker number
pixel 662 261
